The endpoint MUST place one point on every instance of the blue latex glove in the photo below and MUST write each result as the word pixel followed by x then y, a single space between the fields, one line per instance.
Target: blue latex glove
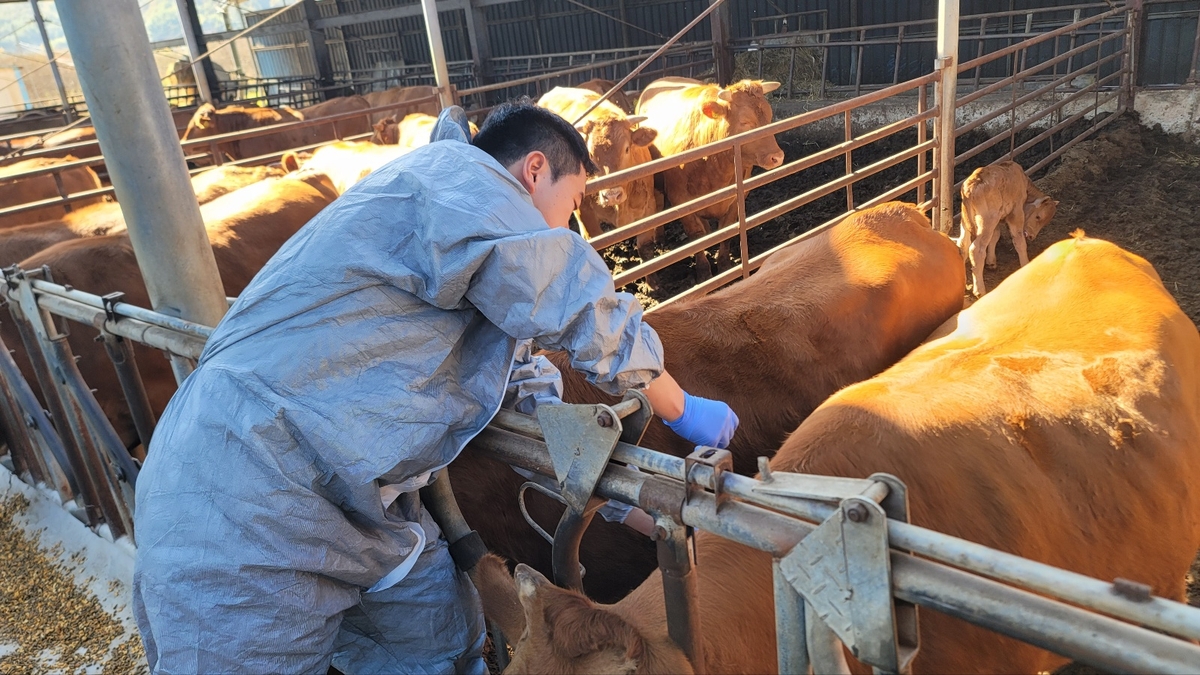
pixel 705 422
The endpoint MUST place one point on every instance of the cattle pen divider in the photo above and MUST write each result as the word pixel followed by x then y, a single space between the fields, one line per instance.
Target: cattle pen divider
pixel 1104 624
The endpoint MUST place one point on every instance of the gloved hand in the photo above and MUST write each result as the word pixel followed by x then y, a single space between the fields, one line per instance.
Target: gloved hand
pixel 705 422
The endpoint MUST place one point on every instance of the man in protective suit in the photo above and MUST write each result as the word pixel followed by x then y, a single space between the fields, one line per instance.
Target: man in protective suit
pixel 278 523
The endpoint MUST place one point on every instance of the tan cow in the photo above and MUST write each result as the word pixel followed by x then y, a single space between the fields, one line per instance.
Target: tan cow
pixel 18 243
pixel 18 191
pixel 619 98
pixel 398 95
pixel 821 314
pixel 338 106
pixel 209 121
pixel 1055 421
pixel 345 162
pixel 411 132
pixel 611 137
pixel 245 228
pixel 999 193
pixel 688 114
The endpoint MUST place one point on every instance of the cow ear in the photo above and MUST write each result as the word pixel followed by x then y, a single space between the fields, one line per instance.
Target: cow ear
pixel 584 127
pixel 204 115
pixel 714 109
pixel 530 583
pixel 1040 200
pixel 290 161
pixel 769 87
pixel 498 592
pixel 580 628
pixel 644 136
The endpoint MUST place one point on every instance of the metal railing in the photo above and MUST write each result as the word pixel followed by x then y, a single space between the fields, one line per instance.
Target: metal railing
pixel 75 451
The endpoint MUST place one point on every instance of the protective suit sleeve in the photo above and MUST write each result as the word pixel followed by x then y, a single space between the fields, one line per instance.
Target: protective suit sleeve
pixel 534 381
pixel 550 286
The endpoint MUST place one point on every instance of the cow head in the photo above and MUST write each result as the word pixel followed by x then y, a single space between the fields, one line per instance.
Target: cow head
pixel 203 123
pixel 561 631
pixel 611 137
pixel 387 131
pixel 1037 213
pixel 743 106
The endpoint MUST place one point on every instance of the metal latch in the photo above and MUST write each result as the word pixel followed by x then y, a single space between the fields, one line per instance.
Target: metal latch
pixel 719 461
pixel 110 305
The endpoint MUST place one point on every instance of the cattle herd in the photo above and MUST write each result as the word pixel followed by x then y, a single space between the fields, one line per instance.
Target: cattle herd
pixel 1053 418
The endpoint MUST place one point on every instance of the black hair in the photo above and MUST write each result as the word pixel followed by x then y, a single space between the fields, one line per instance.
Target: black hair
pixel 517 128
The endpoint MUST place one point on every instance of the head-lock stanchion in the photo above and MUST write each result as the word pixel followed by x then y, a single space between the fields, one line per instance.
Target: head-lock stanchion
pixel 841 573
pixel 581 440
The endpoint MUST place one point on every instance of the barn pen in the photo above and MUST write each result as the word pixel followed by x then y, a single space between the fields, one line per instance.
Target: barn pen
pixel 1052 84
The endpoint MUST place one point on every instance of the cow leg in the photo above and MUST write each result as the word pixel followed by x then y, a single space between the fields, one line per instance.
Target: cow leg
pixel 1016 227
pixel 991 249
pixel 694 228
pixel 977 255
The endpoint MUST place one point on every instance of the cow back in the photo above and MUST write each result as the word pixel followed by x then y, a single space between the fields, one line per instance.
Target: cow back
pixel 1054 420
pixel 24 190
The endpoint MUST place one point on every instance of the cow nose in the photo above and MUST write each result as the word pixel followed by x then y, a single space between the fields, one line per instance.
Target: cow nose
pixel 611 197
pixel 774 159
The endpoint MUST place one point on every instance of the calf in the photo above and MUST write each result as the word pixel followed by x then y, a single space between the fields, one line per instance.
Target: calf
pixel 688 114
pixel 611 137
pixel 821 314
pixel 995 193
pixel 1055 421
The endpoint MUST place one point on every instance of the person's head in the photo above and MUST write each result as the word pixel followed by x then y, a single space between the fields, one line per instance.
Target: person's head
pixel 542 151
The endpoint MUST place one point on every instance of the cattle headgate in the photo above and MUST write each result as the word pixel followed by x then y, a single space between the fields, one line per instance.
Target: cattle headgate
pixel 1036 96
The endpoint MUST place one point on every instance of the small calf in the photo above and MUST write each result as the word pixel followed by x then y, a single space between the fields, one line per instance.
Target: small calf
pixel 1000 192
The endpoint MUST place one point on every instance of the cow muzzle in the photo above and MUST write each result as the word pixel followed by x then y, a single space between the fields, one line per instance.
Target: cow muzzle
pixel 611 197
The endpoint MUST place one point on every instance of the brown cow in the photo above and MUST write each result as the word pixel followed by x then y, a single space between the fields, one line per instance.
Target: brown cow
pixel 58 143
pixel 19 243
pixel 18 191
pixel 209 121
pixel 688 114
pixel 611 137
pixel 821 314
pixel 999 193
pixel 411 132
pixel 245 228
pixel 398 95
pixel 619 98
pixel 345 162
pixel 337 106
pixel 1055 421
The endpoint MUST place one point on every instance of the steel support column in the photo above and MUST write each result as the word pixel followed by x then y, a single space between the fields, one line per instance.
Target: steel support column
pixel 722 54
pixel 433 28
pixel 947 63
pixel 145 161
pixel 316 42
pixel 68 111
pixel 193 36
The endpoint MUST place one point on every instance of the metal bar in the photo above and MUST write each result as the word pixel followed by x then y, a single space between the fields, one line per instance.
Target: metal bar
pixel 1060 126
pixel 824 648
pixel 947 64
pixel 979 49
pixel 145 162
pixel 433 30
pixel 922 103
pixel 790 627
pixel 676 561
pixel 193 38
pixel 29 417
pixel 52 60
pixel 849 136
pixel 691 248
pixel 138 331
pixel 1066 146
pixel 739 183
pixel 1012 49
pixel 125 309
pixel 124 362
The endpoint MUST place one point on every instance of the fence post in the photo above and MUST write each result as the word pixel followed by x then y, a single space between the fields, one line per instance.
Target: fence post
pixel 947 63
pixel 145 161
pixel 68 111
pixel 722 55
pixel 202 70
pixel 481 44
pixel 433 29
pixel 316 42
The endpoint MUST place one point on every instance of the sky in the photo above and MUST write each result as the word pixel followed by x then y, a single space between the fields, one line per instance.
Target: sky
pixel 19 34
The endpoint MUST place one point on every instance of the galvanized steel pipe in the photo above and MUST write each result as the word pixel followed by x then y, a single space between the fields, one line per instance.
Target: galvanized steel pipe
pixel 145 162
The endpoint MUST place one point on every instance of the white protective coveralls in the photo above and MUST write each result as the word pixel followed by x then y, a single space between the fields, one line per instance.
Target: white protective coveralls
pixel 277 518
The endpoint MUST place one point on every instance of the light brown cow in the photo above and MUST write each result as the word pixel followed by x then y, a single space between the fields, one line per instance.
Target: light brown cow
pixel 821 314
pixel 411 132
pixel 338 106
pixel 209 121
pixel 1055 421
pixel 245 228
pixel 18 191
pixel 397 95
pixel 57 144
pixel 688 114
pixel 18 243
pixel 999 193
pixel 611 137
pixel 345 162
pixel 619 98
